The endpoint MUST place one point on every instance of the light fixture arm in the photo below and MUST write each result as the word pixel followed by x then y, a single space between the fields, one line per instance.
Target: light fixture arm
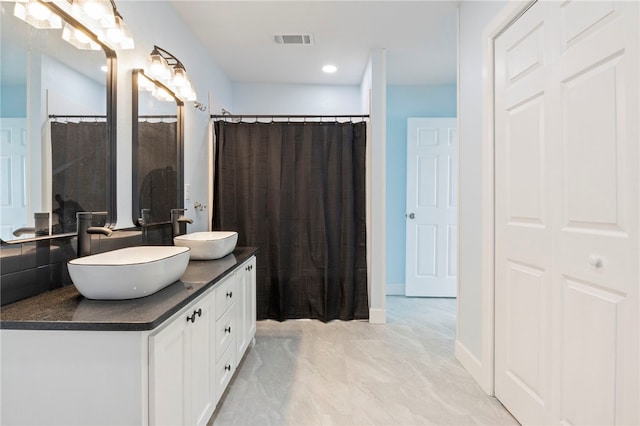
pixel 168 56
pixel 115 9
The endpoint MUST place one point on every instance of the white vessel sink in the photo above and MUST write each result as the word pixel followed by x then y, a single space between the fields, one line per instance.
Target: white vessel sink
pixel 208 245
pixel 128 273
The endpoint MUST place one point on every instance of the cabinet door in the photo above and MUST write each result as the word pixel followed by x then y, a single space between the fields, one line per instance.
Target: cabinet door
pixel 168 374
pixel 246 309
pixel 181 376
pixel 201 385
pixel 250 297
pixel 241 311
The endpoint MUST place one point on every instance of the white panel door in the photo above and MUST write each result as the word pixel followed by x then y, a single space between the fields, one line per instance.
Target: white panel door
pixel 13 176
pixel 567 208
pixel 431 207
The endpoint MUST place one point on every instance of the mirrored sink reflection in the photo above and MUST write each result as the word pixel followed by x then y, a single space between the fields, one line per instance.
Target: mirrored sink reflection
pixel 128 273
pixel 208 245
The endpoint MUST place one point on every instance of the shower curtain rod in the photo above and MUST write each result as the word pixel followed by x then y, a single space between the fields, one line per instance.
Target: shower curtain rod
pixel 76 116
pixel 256 116
pixel 158 116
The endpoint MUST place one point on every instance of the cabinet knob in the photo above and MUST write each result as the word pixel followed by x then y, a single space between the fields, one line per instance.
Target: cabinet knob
pixel 227 367
pixel 199 312
pixel 229 294
pixel 227 330
pixel 595 261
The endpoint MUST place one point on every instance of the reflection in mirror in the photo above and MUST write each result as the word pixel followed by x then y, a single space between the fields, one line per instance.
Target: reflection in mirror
pixel 157 151
pixel 57 130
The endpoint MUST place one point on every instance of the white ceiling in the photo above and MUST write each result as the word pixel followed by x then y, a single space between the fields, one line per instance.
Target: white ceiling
pixel 419 36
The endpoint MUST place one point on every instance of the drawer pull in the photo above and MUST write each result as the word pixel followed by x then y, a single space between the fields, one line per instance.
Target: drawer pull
pixel 227 367
pixel 227 329
pixel 229 294
pixel 192 317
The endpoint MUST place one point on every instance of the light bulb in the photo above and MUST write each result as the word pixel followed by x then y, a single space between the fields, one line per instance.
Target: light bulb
pixel 93 9
pixel 38 11
pixel 179 76
pixel 115 34
pixel 158 67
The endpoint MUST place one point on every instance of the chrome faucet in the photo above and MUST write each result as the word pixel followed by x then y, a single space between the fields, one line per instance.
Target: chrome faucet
pixel 176 219
pixel 85 230
pixel 145 217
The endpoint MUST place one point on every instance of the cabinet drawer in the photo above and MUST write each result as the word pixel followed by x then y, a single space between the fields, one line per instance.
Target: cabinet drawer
pixel 225 295
pixel 225 332
pixel 225 369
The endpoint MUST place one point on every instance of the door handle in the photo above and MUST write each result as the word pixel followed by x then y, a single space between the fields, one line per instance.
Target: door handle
pixel 411 216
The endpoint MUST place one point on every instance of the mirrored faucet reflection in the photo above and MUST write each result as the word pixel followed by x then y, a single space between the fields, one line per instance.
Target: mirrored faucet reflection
pixel 176 219
pixel 144 220
pixel 85 230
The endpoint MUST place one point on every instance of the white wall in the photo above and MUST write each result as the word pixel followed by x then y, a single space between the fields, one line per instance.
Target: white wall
pixel 473 18
pixel 157 23
pixel 376 153
pixel 70 92
pixel 257 98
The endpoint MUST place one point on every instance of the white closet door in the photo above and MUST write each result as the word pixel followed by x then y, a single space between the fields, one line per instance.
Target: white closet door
pixel 524 230
pixel 567 198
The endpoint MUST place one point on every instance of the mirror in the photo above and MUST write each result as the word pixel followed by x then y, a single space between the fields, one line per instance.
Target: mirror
pixel 57 129
pixel 157 151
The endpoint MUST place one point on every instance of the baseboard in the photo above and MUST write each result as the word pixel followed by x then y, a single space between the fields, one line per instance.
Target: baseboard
pixel 395 289
pixel 473 365
pixel 377 316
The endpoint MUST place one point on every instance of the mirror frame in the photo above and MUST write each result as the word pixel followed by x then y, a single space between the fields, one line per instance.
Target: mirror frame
pixel 111 118
pixel 136 147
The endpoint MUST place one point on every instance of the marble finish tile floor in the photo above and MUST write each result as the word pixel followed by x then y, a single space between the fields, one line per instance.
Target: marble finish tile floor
pixel 355 373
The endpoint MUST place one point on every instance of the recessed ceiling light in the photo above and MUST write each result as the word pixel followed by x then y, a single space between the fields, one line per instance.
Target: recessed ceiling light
pixel 103 68
pixel 329 69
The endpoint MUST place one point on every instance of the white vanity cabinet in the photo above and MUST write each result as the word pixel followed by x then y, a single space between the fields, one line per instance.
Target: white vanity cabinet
pixel 117 370
pixel 181 385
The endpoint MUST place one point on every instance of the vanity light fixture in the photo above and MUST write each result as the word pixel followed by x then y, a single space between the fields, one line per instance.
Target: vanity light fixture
pixel 104 18
pixel 36 14
pixel 94 22
pixel 119 35
pixel 166 68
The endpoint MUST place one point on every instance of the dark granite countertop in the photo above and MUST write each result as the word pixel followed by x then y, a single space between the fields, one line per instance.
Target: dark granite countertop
pixel 66 309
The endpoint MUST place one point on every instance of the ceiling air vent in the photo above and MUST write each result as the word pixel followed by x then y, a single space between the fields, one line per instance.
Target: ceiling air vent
pixel 293 39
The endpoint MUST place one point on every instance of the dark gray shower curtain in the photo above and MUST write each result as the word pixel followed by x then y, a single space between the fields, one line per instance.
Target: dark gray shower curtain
pixel 79 171
pixel 297 192
pixel 158 169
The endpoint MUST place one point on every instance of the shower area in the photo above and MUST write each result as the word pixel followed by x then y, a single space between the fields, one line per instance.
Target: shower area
pixel 295 188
